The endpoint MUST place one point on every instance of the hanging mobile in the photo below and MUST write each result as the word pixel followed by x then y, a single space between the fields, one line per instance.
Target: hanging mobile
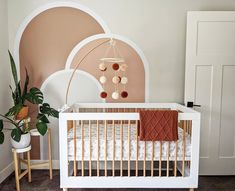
pixel 117 65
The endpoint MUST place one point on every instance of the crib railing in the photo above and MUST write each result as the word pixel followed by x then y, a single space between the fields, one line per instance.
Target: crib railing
pixel 113 122
pixel 182 160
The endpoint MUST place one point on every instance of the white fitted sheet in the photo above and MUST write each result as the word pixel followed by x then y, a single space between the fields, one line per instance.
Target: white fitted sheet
pixel 94 141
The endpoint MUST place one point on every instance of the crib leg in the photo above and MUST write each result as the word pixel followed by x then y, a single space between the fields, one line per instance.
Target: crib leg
pixel 191 189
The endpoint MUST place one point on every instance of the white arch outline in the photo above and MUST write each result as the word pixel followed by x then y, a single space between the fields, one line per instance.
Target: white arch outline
pixel 55 74
pixel 43 86
pixel 118 37
pixel 43 8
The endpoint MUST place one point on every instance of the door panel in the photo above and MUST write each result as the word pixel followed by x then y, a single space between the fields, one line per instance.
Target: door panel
pixel 210 82
pixel 209 34
pixel 227 131
pixel 203 89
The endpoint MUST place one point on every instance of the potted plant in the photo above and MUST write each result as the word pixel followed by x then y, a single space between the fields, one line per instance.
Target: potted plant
pixel 17 115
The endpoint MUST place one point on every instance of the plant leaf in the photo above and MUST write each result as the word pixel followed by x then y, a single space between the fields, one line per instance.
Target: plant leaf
pixel 42 127
pixel 46 109
pixel 16 134
pixel 14 110
pixel 13 69
pixel 25 90
pixel 13 95
pixel 1 125
pixel 42 118
pixel 1 137
pixel 54 113
pixel 19 97
pixel 34 96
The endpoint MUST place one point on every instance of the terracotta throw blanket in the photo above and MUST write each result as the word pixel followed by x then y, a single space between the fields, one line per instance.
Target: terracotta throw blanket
pixel 158 125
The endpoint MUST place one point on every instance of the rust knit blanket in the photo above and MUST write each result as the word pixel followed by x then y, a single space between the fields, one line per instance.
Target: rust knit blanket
pixel 158 125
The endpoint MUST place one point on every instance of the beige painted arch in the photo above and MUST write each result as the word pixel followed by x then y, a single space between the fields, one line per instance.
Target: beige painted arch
pixel 137 72
pixel 49 37
pixel 46 37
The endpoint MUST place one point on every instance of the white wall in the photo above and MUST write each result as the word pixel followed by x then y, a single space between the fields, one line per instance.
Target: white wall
pixel 5 95
pixel 156 26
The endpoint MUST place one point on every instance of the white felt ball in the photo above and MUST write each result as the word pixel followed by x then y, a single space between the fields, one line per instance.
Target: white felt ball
pixel 115 95
pixel 124 80
pixel 103 79
pixel 116 79
pixel 123 67
pixel 102 67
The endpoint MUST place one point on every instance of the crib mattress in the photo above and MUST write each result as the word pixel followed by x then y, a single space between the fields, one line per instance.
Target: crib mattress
pixel 109 147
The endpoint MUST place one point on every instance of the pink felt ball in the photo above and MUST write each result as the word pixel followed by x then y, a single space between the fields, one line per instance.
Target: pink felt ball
pixel 124 80
pixel 102 67
pixel 123 67
pixel 116 79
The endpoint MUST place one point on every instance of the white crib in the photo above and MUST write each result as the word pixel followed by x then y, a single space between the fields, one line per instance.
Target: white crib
pixel 100 148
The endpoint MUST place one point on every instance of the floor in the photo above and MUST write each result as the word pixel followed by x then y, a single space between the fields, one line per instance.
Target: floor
pixel 41 182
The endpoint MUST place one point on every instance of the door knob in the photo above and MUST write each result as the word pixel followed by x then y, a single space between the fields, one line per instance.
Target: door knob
pixel 191 104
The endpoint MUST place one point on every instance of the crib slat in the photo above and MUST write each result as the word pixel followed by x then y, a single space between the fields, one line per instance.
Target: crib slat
pixel 168 156
pixel 129 149
pixel 184 144
pixel 152 163
pixel 160 159
pixel 176 155
pixel 189 127
pixel 98 147
pixel 114 148
pixel 75 148
pixel 105 146
pixel 82 125
pixel 121 148
pixel 144 169
pixel 188 131
pixel 136 171
pixel 90 132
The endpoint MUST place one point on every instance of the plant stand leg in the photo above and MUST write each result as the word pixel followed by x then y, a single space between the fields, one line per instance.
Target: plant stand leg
pixel 16 170
pixel 19 163
pixel 29 167
pixel 49 152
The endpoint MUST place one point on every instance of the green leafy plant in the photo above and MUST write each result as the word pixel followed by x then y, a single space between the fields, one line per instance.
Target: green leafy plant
pixel 20 96
pixel 19 128
pixel 34 95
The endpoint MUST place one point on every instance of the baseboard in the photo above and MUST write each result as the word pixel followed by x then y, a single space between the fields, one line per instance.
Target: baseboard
pixel 6 172
pixel 55 164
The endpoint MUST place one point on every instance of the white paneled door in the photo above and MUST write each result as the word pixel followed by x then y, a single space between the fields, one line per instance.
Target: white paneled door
pixel 210 82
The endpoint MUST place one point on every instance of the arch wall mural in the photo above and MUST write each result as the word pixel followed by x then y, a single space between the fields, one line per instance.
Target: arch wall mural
pixel 53 39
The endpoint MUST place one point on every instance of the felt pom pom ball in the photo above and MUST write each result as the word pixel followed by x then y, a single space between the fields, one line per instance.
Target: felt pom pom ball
pixel 123 67
pixel 115 95
pixel 115 66
pixel 124 80
pixel 103 79
pixel 102 67
pixel 124 94
pixel 103 94
pixel 116 79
